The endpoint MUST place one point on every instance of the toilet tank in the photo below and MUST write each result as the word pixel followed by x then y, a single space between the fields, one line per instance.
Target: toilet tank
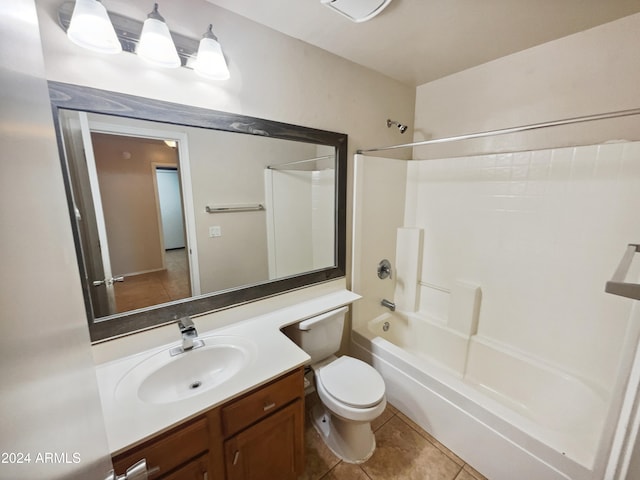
pixel 319 336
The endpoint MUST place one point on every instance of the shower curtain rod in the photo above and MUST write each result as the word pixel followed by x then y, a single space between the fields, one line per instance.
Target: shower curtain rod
pixel 275 167
pixel 503 131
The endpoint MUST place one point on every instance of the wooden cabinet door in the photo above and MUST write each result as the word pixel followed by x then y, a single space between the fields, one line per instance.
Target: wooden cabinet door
pixel 270 449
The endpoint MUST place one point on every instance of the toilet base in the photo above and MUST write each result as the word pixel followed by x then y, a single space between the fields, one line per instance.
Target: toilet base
pixel 352 442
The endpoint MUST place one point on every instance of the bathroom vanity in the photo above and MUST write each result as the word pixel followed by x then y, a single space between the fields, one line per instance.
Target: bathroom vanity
pixel 259 435
pixel 230 409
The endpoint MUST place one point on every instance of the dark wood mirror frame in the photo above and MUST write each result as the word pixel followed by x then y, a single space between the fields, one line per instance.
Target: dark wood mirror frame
pixel 78 98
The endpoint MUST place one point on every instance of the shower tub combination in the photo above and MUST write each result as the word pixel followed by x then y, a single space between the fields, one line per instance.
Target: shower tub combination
pixel 509 414
pixel 496 403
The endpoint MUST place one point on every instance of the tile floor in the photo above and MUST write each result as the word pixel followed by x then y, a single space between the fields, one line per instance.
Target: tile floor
pixel 163 286
pixel 404 452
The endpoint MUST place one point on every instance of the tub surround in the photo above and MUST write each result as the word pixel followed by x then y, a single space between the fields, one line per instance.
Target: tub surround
pixel 508 343
pixel 408 261
pixel 130 422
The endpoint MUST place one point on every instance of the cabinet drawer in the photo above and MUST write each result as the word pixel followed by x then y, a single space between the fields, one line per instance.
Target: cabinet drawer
pixel 194 470
pixel 169 451
pixel 247 410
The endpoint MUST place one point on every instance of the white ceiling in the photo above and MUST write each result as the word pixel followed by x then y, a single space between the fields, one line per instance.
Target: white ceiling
pixel 417 41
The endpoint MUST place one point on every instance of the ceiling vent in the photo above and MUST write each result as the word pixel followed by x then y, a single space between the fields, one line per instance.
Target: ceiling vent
pixel 357 10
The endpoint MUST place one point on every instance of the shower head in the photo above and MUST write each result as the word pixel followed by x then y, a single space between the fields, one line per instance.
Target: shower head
pixel 401 127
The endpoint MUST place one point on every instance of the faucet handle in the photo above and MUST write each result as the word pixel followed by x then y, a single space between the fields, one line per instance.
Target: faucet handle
pixel 185 324
pixel 384 269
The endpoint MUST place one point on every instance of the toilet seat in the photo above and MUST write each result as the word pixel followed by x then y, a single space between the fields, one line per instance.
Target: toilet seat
pixel 352 382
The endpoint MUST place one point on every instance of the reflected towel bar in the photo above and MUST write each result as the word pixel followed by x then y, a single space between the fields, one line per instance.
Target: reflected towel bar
pixel 617 285
pixel 235 208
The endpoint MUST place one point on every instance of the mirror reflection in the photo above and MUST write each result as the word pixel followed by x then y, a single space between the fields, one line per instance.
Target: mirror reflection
pixel 167 212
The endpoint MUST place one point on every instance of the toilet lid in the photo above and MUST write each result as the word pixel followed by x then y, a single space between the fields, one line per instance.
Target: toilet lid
pixel 353 382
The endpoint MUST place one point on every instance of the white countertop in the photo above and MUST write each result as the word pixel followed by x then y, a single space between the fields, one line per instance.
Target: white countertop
pixel 129 422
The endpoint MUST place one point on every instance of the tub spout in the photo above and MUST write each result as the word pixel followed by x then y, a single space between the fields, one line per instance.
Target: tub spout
pixel 390 305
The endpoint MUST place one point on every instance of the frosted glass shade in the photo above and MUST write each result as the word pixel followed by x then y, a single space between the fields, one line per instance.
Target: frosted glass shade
pixel 156 45
pixel 210 62
pixel 91 28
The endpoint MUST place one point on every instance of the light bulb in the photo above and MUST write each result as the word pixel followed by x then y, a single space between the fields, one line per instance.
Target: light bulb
pixel 156 45
pixel 91 28
pixel 210 62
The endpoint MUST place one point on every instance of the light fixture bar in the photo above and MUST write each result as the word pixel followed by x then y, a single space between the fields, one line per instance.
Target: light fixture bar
pixel 128 32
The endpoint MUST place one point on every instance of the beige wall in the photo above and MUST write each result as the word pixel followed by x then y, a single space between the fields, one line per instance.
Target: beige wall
pixel 590 72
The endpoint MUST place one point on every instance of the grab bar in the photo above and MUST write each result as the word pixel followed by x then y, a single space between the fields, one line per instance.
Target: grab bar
pixel 617 285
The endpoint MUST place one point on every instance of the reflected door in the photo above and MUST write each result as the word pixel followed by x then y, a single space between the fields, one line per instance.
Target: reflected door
pixel 100 279
pixel 169 200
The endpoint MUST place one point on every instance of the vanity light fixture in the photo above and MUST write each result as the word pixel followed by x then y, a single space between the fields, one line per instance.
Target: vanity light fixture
pixel 90 27
pixel 156 45
pixel 210 62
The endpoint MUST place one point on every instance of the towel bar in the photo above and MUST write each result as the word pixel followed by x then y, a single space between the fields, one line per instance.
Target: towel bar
pixel 235 208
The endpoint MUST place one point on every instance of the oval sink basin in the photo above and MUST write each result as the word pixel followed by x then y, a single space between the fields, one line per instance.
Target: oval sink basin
pixel 162 378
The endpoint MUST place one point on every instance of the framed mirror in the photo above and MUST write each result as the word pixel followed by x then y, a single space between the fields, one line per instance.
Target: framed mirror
pixel 179 210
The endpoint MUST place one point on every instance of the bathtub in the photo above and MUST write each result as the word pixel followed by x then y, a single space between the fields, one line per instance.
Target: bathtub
pixel 508 415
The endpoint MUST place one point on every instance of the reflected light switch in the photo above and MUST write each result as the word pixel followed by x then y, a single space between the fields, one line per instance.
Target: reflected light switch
pixel 215 231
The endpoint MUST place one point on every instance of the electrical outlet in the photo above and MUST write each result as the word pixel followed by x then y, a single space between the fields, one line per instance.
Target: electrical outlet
pixel 215 231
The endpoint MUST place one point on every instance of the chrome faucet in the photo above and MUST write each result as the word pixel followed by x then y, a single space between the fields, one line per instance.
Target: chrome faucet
pixel 188 331
pixel 190 339
pixel 390 305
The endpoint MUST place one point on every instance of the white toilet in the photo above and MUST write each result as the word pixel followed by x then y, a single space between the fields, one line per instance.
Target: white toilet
pixel 352 392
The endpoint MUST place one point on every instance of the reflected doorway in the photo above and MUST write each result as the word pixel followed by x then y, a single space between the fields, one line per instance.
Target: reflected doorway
pixel 128 187
pixel 172 282
pixel 141 202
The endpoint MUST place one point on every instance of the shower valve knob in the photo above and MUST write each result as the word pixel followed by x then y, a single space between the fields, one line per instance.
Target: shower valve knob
pixel 384 269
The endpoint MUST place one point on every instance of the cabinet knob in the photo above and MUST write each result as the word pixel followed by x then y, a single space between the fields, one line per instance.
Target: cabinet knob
pixel 236 457
pixel 268 405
